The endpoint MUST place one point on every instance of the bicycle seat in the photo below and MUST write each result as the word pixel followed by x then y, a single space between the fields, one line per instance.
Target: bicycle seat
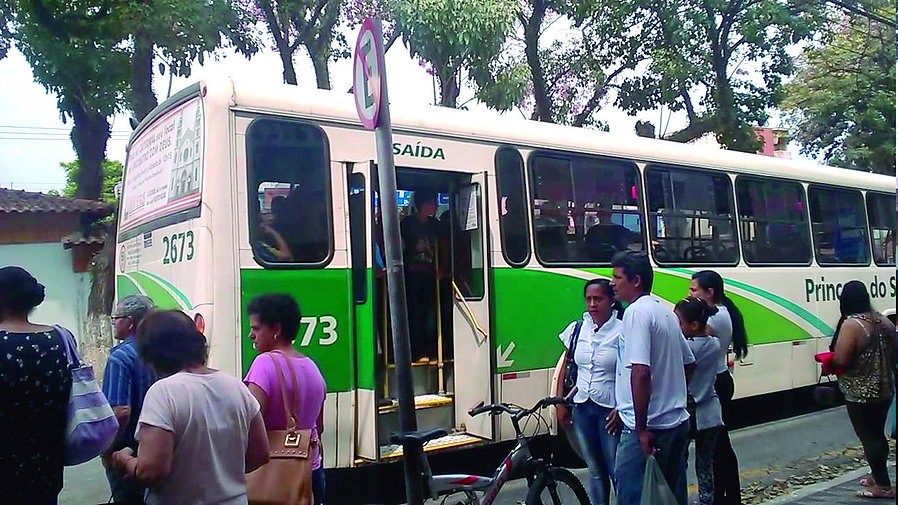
pixel 417 437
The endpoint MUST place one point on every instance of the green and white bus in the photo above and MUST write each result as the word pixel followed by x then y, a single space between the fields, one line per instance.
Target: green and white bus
pixel 531 210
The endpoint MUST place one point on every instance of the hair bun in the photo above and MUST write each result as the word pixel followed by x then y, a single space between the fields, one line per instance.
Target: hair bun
pixel 19 290
pixel 33 293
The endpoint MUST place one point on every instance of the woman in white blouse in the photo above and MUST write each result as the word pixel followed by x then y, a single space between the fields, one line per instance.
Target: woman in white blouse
pixel 594 340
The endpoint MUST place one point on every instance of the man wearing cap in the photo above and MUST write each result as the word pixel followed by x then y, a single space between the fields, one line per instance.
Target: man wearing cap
pixel 125 383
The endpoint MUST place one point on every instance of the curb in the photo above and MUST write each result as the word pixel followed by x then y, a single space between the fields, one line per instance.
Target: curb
pixel 820 486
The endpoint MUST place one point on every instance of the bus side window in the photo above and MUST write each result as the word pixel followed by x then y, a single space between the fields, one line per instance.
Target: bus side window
pixel 839 226
pixel 290 192
pixel 692 217
pixel 512 211
pixel 882 227
pixel 773 222
pixel 585 209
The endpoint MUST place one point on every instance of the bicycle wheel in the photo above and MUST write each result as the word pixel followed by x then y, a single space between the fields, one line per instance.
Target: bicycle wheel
pixel 556 486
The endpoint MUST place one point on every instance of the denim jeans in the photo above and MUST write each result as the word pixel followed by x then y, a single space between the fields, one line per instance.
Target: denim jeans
pixel 629 468
pixel 318 487
pixel 598 448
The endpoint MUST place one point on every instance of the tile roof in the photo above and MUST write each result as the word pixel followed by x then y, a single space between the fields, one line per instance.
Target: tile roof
pixel 18 201
pixel 94 236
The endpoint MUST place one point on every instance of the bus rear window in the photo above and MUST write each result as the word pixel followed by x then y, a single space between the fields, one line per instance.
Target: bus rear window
pixel 290 221
pixel 164 175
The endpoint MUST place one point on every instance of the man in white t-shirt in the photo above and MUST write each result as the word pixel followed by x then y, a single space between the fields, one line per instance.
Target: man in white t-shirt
pixel 653 362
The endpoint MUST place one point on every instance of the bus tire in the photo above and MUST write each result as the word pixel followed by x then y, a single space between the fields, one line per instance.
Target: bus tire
pixel 556 486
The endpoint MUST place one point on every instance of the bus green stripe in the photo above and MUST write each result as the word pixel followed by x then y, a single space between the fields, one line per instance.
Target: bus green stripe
pixel 804 314
pixel 160 296
pixel 185 302
pixel 125 287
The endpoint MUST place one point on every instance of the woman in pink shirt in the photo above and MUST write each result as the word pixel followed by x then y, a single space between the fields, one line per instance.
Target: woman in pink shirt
pixel 274 323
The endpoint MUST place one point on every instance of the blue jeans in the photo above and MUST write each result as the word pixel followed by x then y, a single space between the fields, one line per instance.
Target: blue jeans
pixel 629 468
pixel 318 487
pixel 598 448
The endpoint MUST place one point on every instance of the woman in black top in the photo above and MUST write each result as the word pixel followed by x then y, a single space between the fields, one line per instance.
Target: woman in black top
pixel 34 389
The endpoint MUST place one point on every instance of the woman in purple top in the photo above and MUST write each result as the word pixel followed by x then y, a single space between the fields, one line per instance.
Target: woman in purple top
pixel 274 323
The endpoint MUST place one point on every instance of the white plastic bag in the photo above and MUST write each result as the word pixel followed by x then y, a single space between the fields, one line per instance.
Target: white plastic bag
pixel 655 490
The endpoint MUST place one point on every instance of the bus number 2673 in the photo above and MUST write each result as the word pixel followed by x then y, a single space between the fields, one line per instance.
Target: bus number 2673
pixel 177 247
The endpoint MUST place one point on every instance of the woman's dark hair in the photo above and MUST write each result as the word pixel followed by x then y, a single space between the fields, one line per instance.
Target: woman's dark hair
pixel 168 341
pixel 709 279
pixel 277 308
pixel 20 292
pixel 853 299
pixel 696 310
pixel 605 285
pixel 635 263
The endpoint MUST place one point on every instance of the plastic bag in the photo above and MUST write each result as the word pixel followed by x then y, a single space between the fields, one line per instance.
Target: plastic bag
pixel 890 421
pixel 655 490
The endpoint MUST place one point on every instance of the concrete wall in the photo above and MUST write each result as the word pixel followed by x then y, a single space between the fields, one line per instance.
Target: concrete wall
pixel 66 292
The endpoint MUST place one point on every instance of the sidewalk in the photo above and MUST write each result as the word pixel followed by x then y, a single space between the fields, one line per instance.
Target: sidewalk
pixel 839 491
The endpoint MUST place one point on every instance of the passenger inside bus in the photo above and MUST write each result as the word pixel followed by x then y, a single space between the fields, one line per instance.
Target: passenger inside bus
pixel 422 236
pixel 604 239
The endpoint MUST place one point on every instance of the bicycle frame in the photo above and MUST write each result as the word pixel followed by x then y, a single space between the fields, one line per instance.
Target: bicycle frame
pixel 443 485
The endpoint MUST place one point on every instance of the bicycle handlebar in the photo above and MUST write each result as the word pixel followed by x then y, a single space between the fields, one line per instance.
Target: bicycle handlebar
pixel 518 412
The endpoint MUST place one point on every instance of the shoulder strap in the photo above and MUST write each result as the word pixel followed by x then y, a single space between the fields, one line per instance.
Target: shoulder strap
pixel 572 347
pixel 289 414
pixel 857 319
pixel 71 348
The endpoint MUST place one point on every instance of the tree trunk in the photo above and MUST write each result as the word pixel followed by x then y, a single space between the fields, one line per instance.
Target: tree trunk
pixel 731 132
pixel 543 104
pixel 449 90
pixel 287 62
pixel 322 72
pixel 143 100
pixel 89 137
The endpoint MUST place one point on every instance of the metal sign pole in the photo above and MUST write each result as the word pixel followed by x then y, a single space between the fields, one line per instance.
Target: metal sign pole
pixel 383 135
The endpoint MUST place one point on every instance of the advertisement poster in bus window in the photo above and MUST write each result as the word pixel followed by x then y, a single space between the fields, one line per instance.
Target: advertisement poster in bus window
pixel 165 167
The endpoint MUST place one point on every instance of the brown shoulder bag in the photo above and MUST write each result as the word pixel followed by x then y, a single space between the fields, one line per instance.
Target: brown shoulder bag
pixel 287 477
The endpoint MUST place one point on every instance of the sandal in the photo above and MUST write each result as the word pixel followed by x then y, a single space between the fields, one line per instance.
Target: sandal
pixel 877 493
pixel 866 481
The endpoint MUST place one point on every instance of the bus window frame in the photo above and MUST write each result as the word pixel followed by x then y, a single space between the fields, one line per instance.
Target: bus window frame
pixel 807 214
pixel 866 227
pixel 737 236
pixel 569 156
pixel 867 193
pixel 252 194
pixel 527 214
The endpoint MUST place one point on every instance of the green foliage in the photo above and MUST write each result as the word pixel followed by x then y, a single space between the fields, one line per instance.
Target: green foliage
pixel 842 101
pixel 721 61
pixel 112 175
pixel 456 35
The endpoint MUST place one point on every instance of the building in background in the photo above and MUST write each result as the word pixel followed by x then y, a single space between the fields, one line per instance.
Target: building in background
pixel 775 142
pixel 55 239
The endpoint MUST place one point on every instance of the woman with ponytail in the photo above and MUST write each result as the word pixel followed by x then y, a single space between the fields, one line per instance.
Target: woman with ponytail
pixel 728 326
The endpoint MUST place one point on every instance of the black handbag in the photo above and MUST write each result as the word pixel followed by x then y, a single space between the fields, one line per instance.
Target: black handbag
pixel 570 369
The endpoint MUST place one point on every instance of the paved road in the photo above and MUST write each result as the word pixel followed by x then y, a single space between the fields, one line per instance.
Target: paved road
pixel 776 444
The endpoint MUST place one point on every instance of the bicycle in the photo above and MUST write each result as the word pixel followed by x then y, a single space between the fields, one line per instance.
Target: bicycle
pixel 546 483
